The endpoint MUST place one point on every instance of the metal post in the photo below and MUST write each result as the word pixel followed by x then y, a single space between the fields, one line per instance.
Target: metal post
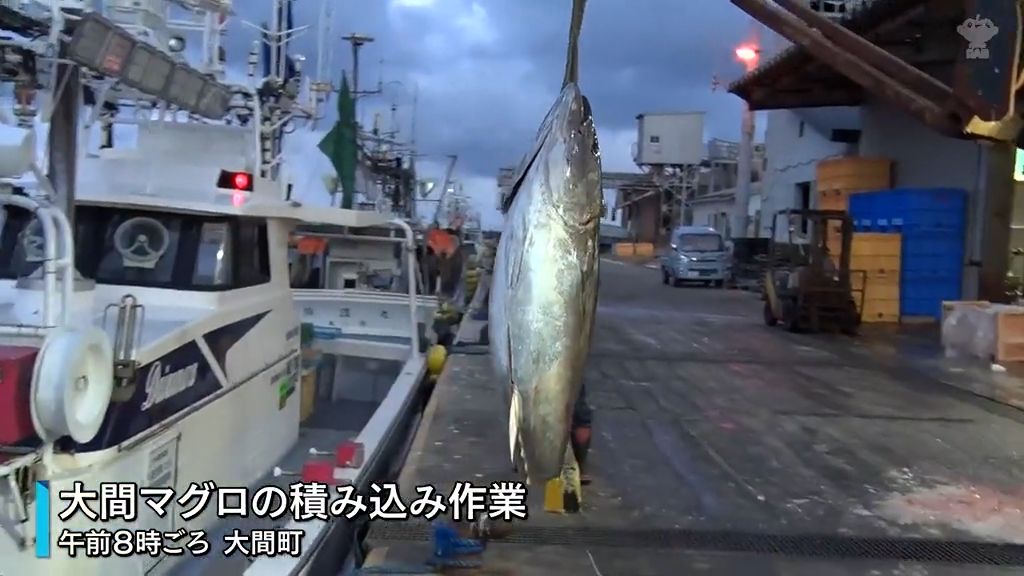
pixel 63 138
pixel 357 41
pixel 743 174
pixel 355 71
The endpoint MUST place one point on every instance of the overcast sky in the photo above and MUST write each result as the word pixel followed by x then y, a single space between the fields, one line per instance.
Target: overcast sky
pixel 487 71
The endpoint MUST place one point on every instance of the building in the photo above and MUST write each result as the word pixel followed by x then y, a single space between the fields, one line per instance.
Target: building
pixel 714 199
pixel 817 111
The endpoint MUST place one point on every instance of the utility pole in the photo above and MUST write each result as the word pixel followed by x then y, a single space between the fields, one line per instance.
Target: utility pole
pixel 749 56
pixel 357 41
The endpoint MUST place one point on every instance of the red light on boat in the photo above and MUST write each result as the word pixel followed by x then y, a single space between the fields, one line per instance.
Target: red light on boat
pixel 242 181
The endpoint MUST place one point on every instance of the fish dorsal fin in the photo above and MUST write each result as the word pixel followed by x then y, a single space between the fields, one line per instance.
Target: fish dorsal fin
pixel 572 61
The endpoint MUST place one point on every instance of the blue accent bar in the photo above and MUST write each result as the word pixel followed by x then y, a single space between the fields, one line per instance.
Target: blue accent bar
pixel 42 519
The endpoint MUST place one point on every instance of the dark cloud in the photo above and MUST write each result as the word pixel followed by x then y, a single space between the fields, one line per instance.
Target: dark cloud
pixel 488 70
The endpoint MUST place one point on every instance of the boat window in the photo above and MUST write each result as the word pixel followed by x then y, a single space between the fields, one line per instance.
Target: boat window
pixel 699 243
pixel 14 224
pixel 170 250
pixel 136 248
pixel 214 255
pixel 253 253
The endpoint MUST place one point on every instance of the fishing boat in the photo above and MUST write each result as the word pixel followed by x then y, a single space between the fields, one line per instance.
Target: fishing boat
pixel 151 325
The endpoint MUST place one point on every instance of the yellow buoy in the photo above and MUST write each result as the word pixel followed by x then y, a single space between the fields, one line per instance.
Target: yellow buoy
pixel 436 357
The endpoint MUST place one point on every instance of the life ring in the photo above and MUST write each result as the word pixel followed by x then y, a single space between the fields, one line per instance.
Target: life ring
pixel 72 384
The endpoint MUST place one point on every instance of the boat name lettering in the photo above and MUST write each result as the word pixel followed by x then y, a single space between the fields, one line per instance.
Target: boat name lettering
pixel 160 386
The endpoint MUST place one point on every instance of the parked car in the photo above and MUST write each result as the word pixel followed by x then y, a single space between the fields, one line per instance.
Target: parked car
pixel 696 254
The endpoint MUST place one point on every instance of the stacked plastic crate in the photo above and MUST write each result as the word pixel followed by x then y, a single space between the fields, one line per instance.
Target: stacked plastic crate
pixel 932 224
pixel 875 260
pixel 836 179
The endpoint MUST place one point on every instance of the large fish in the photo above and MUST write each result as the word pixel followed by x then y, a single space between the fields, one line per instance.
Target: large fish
pixel 544 289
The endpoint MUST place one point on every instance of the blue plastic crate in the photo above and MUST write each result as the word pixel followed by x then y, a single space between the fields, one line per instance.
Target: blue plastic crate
pixel 939 253
pixel 932 223
pixel 922 294
pixel 928 307
pixel 906 210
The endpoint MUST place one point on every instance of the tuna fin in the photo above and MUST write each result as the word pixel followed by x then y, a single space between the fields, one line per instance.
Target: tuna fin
pixel 513 424
pixel 514 401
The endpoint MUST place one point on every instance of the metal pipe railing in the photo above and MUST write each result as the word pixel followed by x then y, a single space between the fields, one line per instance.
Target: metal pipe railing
pixel 410 247
pixel 50 261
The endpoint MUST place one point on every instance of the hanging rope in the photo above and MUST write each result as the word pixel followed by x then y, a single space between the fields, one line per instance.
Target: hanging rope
pixel 572 66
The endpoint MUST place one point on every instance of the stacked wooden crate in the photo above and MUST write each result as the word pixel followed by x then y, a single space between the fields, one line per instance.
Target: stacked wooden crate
pixel 837 178
pixel 875 262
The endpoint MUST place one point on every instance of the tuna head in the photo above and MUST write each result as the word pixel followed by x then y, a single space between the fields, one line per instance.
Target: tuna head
pixel 544 291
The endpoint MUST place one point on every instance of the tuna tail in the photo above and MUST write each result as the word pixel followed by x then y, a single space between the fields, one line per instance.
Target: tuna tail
pixel 572 61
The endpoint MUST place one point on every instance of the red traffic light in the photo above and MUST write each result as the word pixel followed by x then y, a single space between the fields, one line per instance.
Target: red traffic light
pixel 241 181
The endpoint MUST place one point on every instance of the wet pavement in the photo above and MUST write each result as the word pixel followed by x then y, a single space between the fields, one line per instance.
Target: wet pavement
pixel 718 434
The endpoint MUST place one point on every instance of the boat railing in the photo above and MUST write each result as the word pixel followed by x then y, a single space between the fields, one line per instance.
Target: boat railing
pixel 348 307
pixel 57 257
pixel 379 436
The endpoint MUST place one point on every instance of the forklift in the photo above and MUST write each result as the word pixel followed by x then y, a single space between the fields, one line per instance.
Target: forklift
pixel 806 286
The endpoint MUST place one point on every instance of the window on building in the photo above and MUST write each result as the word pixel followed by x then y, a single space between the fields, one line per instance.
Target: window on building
pixel 803 202
pixel 800 130
pixel 655 139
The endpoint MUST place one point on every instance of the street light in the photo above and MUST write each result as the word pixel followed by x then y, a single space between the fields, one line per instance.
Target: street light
pixel 747 54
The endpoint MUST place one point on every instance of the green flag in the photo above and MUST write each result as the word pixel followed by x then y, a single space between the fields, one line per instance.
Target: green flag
pixel 340 147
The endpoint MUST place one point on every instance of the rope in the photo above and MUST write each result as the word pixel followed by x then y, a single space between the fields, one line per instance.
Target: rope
pixel 572 66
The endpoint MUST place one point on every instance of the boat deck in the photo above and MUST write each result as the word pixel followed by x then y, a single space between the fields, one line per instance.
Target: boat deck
pixel 724 447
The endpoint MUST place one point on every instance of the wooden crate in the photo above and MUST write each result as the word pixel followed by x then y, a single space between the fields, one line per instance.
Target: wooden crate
pixel 643 249
pixel 1010 335
pixel 1009 328
pixel 877 265
pixel 869 244
pixel 624 249
pixel 833 199
pixel 878 310
pixel 852 174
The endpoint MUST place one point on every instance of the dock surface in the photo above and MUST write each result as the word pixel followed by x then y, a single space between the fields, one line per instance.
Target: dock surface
pixel 721 446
